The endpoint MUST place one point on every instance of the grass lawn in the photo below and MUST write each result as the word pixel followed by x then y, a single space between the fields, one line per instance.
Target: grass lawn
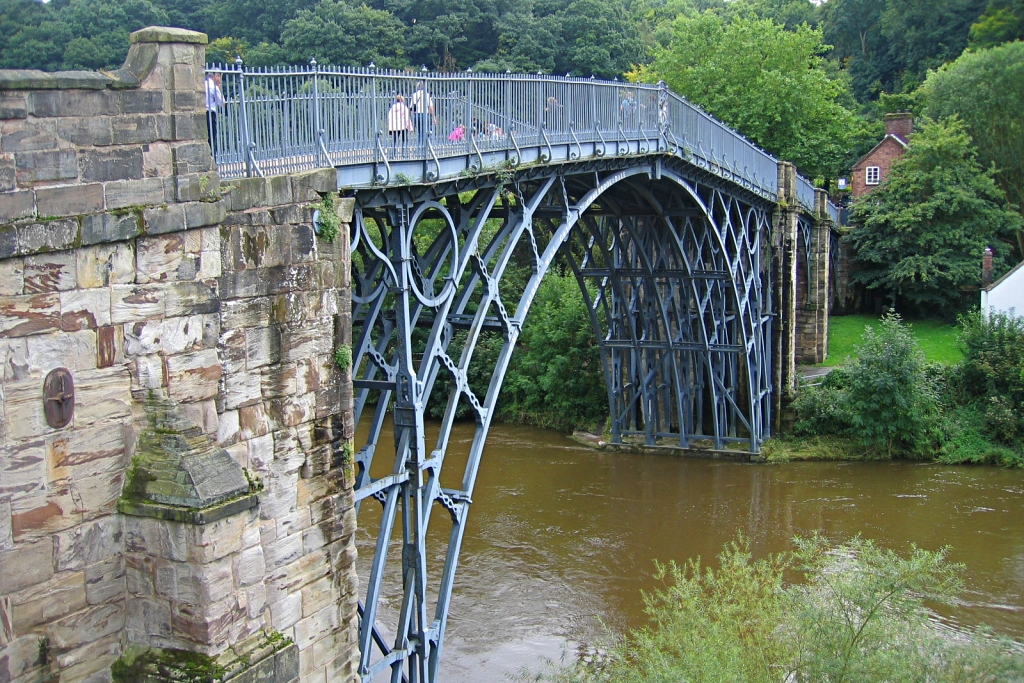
pixel 936 338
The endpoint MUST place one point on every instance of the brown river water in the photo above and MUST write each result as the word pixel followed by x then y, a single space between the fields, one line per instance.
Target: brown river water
pixel 562 539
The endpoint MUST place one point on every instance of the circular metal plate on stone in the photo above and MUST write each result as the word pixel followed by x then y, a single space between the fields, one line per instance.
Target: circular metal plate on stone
pixel 59 398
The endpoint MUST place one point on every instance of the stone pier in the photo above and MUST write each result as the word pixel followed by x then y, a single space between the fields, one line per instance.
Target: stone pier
pixel 175 433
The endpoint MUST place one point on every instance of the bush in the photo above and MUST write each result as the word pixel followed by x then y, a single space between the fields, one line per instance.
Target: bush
pixel 857 614
pixel 992 374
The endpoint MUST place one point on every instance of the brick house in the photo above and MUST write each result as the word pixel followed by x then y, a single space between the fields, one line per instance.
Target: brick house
pixel 873 167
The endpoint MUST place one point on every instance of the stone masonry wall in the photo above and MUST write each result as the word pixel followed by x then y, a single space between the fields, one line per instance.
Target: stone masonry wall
pixel 125 260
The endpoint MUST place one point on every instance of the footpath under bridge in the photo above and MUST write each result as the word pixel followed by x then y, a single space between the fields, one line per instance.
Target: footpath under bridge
pixel 703 262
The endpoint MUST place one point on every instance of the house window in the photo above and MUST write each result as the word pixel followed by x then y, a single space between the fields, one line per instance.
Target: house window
pixel 872 174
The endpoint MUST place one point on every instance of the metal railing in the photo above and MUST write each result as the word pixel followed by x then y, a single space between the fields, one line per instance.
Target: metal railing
pixel 805 193
pixel 286 119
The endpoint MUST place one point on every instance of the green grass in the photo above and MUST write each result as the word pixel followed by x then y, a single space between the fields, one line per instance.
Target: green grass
pixel 936 338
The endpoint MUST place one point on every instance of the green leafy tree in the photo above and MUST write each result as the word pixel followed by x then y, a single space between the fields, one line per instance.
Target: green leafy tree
pixel 1002 22
pixel 986 90
pixel 889 401
pixel 769 83
pixel 599 38
pixel 336 32
pixel 920 236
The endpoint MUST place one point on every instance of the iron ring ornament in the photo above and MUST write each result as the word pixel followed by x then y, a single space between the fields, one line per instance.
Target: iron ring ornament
pixel 59 398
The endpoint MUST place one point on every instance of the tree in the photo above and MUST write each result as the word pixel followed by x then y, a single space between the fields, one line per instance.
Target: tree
pixel 986 90
pixel 1002 22
pixel 336 32
pixel 768 83
pixel 599 39
pixel 920 236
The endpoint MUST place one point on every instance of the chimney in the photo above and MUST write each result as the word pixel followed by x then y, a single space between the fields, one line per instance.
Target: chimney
pixel 900 124
pixel 986 268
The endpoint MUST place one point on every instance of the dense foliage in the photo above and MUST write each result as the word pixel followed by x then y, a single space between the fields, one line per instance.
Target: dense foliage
pixel 758 77
pixel 985 89
pixel 920 235
pixel 898 406
pixel 856 614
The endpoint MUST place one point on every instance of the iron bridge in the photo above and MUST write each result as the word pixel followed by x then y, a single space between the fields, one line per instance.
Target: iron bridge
pixel 663 215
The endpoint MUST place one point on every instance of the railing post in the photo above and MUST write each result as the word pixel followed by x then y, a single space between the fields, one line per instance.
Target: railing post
pixel 250 162
pixel 316 107
pixel 374 128
pixel 507 123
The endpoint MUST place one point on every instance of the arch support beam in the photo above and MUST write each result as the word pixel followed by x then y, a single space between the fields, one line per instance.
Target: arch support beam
pixel 674 269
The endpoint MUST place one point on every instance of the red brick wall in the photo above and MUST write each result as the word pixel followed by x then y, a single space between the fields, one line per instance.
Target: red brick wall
pixel 887 151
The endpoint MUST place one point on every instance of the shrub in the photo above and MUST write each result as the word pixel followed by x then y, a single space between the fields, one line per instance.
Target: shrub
pixel 992 373
pixel 856 614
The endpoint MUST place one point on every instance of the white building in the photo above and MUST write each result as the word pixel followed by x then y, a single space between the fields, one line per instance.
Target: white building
pixel 1005 295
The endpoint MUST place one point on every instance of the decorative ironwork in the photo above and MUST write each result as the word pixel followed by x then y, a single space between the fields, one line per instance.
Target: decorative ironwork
pixel 672 264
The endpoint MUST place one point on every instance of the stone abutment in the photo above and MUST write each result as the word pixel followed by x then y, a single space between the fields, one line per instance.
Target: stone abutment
pixel 175 468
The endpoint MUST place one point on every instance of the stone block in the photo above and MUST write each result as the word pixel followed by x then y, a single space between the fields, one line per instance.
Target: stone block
pixel 130 303
pixel 192 158
pixel 103 165
pixel 189 126
pixel 109 343
pixel 29 138
pixel 246 193
pixel 53 235
pixel 303 244
pixel 8 241
pixel 13 106
pixel 140 129
pixel 227 431
pixel 290 411
pixel 84 309
pixel 201 214
pixel 191 298
pixel 6 530
pixel 107 264
pixel 316 626
pixel 49 601
pixel 141 101
pixel 8 181
pixel 15 205
pixel 249 566
pixel 88 544
pixel 169 336
pixel 197 187
pixel 29 314
pixel 242 284
pixel 147 618
pixel 240 390
pixel 85 131
pixel 193 376
pixel 109 227
pixel 147 373
pixel 85 627
pixel 218 540
pixel 102 396
pixel 164 219
pixel 279 380
pixel 24 661
pixel 284 613
pixel 105 581
pixel 156 538
pixel 56 272
pixel 72 102
pixel 300 342
pixel 70 200
pixel 123 193
pixel 90 663
pixel 308 186
pixel 159 258
pixel 156 163
pixel 43 165
pixel 29 564
pixel 204 414
pixel 263 346
pixel 73 350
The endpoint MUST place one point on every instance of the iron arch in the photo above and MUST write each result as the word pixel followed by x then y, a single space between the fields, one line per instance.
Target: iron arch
pixel 681 315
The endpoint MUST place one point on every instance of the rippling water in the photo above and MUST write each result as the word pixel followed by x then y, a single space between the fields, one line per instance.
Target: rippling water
pixel 562 538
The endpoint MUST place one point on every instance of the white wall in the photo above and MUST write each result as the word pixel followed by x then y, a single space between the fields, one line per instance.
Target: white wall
pixel 1007 294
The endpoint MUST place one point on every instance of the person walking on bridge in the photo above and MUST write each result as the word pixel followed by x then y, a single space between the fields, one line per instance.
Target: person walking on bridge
pixel 399 124
pixel 423 113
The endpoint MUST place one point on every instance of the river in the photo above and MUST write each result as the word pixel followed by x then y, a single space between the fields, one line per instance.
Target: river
pixel 562 539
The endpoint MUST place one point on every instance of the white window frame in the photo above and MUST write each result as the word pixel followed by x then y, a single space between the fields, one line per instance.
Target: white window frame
pixel 872 175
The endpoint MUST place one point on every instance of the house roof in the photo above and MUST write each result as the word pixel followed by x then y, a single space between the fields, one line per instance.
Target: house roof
pixel 1007 274
pixel 881 142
